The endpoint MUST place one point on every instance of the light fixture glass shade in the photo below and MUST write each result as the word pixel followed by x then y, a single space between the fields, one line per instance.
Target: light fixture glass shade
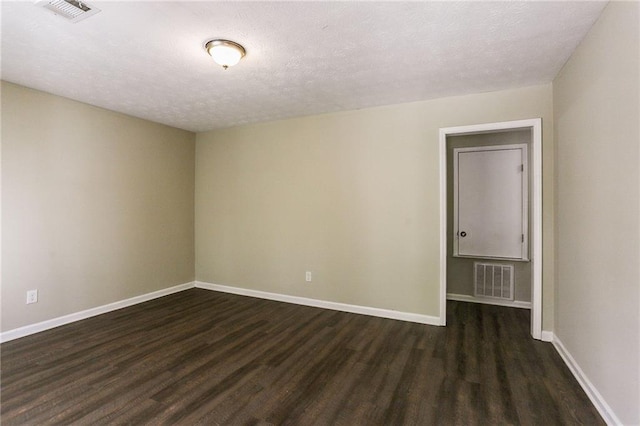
pixel 225 52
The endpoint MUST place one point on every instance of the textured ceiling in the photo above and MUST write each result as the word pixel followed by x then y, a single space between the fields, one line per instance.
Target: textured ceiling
pixel 146 59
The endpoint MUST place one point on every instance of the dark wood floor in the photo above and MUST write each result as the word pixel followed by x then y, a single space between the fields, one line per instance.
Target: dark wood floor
pixel 201 357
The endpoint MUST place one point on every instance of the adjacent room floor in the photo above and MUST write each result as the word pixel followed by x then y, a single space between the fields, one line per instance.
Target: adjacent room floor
pixel 202 357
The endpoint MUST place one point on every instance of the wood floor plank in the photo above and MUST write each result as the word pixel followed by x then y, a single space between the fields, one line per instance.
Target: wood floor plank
pixel 202 357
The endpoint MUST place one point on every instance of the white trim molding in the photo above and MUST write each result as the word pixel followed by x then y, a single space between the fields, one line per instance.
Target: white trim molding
pixel 546 336
pixel 508 303
pixel 336 306
pixel 596 398
pixel 535 125
pixel 77 316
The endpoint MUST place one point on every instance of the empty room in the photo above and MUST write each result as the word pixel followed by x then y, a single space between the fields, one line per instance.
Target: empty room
pixel 320 213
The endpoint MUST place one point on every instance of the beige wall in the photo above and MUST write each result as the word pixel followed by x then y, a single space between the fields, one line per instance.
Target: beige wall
pixel 596 107
pixel 97 206
pixel 352 197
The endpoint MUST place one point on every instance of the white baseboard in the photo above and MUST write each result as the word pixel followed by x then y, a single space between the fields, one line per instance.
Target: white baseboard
pixel 498 302
pixel 546 336
pixel 77 316
pixel 598 401
pixel 336 306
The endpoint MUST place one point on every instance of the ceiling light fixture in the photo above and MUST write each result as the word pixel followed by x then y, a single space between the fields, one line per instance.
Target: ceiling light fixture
pixel 225 52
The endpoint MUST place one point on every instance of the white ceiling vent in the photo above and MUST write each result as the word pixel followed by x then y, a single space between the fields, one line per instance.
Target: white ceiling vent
pixel 73 10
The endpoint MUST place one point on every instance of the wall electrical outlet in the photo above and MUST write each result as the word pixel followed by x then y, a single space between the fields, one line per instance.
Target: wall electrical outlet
pixel 32 296
pixel 307 276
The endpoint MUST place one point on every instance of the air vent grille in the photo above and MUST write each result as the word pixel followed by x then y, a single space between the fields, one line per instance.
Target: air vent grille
pixel 493 280
pixel 73 10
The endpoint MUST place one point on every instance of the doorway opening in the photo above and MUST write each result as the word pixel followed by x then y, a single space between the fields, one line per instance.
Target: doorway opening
pixel 502 265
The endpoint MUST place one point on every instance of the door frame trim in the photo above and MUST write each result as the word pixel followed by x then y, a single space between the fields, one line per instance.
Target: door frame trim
pixel 535 197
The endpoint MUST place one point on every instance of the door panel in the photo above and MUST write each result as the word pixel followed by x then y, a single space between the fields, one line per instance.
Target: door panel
pixel 490 201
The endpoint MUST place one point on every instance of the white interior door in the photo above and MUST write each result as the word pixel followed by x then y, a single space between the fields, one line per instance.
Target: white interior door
pixel 490 202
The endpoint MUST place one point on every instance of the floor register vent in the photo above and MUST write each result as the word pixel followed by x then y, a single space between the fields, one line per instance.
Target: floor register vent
pixel 73 10
pixel 493 280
